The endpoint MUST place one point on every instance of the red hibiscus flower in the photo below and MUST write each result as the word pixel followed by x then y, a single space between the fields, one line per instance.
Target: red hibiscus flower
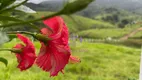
pixel 27 55
pixel 54 55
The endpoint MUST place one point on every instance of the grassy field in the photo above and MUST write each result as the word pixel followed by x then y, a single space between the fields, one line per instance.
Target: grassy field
pixel 105 33
pixel 98 62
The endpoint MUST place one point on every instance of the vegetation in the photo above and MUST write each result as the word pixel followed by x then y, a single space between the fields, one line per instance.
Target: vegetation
pixel 115 33
pixel 99 62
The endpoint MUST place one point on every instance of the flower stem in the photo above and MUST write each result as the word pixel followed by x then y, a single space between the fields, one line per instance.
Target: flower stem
pixel 14 50
pixel 5 49
pixel 34 26
pixel 22 32
pixel 38 36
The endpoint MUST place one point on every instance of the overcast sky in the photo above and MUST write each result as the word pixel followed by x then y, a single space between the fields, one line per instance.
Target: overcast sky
pixel 37 1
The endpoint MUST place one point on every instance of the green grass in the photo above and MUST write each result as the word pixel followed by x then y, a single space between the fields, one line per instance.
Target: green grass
pixel 98 62
pixel 105 33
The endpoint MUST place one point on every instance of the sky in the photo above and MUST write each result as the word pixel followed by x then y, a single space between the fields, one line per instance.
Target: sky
pixel 37 1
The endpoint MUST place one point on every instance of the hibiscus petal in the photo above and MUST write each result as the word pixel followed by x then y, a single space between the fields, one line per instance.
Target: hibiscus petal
pixel 27 57
pixel 26 61
pixel 56 24
pixel 52 60
pixel 19 46
pixel 27 41
pixel 61 60
pixel 43 60
pixel 24 39
pixel 45 31
pixel 74 59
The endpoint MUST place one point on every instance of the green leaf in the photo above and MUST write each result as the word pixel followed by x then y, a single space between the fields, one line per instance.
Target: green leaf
pixel 12 36
pixel 75 5
pixel 6 3
pixel 13 7
pixel 7 18
pixel 3 60
pixel 29 21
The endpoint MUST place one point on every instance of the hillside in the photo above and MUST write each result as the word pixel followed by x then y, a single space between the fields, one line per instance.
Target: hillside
pixel 46 5
pixel 55 5
pixel 78 23
pixel 130 5
pixel 113 33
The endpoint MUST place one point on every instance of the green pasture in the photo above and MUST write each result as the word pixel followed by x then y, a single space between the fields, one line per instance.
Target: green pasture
pixel 115 33
pixel 98 62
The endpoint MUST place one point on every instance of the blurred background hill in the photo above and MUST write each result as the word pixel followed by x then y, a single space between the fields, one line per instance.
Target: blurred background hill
pixel 54 5
pixel 101 14
pixel 100 20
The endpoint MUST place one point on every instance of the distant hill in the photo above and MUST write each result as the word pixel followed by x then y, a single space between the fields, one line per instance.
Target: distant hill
pixel 55 5
pixel 78 23
pixel 131 5
pixel 114 12
pixel 46 5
